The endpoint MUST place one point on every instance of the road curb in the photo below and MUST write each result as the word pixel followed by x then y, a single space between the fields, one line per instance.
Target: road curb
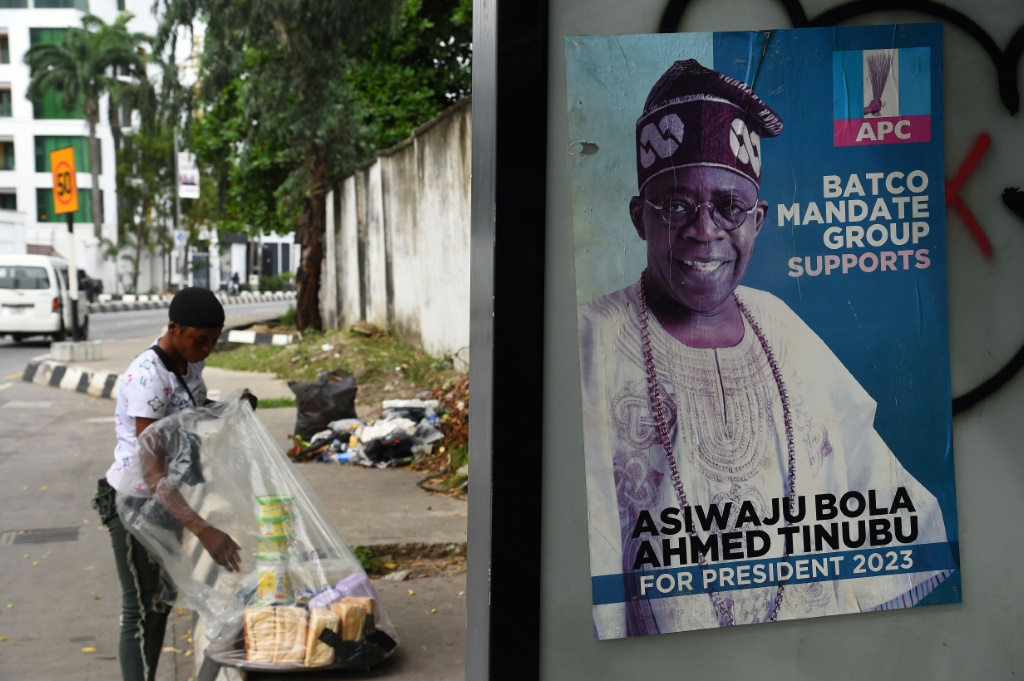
pixel 128 303
pixel 44 371
pixel 256 338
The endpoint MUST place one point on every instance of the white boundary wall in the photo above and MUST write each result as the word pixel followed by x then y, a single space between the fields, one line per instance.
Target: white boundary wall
pixel 397 248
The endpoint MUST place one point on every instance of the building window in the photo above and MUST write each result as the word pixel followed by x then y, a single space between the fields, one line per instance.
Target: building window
pixel 8 200
pixel 62 4
pixel 120 5
pixel 51 106
pixel 44 206
pixel 44 145
pixel 6 155
pixel 13 4
pixel 5 102
pixel 5 49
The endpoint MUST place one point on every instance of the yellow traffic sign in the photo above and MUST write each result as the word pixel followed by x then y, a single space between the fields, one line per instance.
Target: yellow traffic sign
pixel 65 189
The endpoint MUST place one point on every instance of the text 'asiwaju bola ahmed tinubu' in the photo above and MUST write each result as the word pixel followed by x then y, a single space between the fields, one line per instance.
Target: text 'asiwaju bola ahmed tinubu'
pixel 737 532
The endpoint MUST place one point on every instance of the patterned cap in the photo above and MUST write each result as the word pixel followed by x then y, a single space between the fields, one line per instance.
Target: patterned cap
pixel 698 117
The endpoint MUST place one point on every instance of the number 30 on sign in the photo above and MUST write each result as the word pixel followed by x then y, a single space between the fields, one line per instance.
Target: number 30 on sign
pixel 65 189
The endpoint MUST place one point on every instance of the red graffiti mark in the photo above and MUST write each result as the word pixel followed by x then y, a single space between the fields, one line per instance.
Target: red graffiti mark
pixel 953 191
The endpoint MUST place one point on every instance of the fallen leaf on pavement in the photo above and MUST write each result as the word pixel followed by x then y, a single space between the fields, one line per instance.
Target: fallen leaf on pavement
pixel 5 638
pixel 411 592
pixel 98 598
pixel 43 488
pixel 85 521
pixel 188 653
pixel 433 611
pixel 10 605
pixel 170 649
pixel 88 649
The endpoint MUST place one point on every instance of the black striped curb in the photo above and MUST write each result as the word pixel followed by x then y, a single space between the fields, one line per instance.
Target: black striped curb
pixel 41 371
pixel 159 302
pixel 256 338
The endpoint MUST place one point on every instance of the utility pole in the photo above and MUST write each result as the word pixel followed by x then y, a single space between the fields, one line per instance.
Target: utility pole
pixel 177 205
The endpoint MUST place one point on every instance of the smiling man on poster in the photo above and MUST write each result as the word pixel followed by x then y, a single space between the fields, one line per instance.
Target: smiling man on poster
pixel 734 473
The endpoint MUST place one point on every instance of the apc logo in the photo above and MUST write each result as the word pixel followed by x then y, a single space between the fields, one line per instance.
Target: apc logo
pixel 661 141
pixel 746 145
pixel 881 96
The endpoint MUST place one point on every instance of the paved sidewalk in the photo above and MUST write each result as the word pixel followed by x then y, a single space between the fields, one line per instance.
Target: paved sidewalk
pixel 65 596
pixel 63 441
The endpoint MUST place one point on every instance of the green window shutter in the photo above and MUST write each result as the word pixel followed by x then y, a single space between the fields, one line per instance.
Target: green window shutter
pixel 13 4
pixel 49 36
pixel 5 50
pixel 6 155
pixel 62 4
pixel 51 106
pixel 8 201
pixel 5 103
pixel 44 206
pixel 44 145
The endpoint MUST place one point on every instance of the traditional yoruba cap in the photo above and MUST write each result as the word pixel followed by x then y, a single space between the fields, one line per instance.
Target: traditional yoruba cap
pixel 698 117
pixel 196 307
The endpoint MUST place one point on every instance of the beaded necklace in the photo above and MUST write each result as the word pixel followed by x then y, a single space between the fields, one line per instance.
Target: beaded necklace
pixel 725 617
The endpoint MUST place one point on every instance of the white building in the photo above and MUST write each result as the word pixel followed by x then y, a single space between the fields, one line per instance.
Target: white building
pixel 28 132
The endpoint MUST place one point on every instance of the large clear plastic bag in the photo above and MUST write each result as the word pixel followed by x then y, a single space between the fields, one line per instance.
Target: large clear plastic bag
pixel 299 597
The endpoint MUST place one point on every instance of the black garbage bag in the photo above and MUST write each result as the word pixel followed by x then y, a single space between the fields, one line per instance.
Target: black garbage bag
pixel 332 397
pixel 391 450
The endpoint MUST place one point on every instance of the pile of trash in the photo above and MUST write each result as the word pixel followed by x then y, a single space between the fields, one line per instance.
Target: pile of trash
pixel 404 432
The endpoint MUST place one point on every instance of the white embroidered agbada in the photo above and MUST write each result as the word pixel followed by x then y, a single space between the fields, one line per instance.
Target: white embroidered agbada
pixel 725 417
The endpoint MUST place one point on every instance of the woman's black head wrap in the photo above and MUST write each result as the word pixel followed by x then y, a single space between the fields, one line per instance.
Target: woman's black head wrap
pixel 198 308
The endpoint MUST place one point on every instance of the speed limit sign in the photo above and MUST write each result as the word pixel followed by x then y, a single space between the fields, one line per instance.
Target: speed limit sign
pixel 65 189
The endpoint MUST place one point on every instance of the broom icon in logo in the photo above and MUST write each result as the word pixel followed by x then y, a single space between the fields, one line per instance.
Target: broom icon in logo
pixel 879 67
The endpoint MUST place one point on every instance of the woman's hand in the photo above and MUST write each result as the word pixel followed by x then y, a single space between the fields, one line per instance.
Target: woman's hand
pixel 222 547
pixel 250 398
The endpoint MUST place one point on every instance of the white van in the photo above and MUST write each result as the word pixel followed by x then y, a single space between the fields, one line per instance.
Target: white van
pixel 34 298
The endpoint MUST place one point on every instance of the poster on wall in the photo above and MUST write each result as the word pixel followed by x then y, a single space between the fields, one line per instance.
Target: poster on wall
pixel 761 278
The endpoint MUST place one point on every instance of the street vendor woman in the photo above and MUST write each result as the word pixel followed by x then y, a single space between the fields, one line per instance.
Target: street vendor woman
pixel 165 379
pixel 698 391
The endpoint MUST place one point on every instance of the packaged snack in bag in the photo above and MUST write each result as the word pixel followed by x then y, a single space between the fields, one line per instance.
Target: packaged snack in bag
pixel 299 598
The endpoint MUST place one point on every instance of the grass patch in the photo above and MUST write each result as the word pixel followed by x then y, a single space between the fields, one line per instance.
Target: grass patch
pixel 276 402
pixel 385 366
pixel 288 318
pixel 460 457
pixel 373 565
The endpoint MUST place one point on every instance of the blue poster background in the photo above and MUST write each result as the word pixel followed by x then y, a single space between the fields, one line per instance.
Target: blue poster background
pixel 890 329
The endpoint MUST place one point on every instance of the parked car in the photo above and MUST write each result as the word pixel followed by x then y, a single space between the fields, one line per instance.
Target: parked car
pixel 34 298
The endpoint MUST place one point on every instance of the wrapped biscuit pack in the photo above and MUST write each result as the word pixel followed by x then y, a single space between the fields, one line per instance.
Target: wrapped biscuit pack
pixel 300 598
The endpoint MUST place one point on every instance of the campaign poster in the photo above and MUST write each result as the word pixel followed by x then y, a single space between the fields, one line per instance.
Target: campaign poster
pixel 760 262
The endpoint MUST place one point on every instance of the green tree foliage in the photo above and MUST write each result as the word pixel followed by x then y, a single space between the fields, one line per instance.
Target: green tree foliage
pixel 82 70
pixel 295 105
pixel 294 93
pixel 405 77
pixel 145 170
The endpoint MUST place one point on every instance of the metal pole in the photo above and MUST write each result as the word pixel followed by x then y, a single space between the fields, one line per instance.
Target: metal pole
pixel 73 280
pixel 177 205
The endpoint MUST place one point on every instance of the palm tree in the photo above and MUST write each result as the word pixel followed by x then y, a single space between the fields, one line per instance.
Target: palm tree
pixel 83 69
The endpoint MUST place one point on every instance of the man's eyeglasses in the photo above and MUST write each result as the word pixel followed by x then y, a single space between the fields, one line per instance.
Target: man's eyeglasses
pixel 726 212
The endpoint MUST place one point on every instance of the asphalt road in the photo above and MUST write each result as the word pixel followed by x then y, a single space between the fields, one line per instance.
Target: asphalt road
pixel 117 326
